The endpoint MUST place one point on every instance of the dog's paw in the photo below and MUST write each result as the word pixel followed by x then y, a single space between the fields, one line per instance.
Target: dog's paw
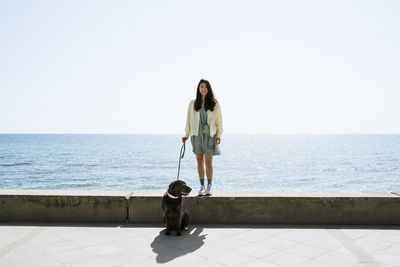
pixel 167 232
pixel 178 233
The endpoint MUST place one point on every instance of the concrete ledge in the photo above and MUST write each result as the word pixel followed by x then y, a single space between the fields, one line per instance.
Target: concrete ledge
pixel 222 208
pixel 329 208
pixel 145 209
pixel 297 208
pixel 63 206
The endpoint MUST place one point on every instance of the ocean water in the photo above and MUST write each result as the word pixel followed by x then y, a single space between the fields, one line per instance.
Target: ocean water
pixel 354 162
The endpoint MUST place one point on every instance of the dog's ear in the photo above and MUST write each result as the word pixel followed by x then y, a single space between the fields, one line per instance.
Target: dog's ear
pixel 172 187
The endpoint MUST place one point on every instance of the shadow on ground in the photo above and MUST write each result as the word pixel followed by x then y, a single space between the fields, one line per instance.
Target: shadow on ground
pixel 170 247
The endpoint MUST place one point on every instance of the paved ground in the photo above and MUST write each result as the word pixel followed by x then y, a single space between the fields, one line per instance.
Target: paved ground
pixel 134 245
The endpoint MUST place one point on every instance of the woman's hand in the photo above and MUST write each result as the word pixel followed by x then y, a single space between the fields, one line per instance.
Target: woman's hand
pixel 218 141
pixel 184 139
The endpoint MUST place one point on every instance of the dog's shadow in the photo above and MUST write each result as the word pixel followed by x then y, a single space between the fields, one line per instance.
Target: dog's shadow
pixel 170 247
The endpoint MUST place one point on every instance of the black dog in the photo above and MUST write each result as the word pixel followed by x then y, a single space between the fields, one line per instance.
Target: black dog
pixel 175 215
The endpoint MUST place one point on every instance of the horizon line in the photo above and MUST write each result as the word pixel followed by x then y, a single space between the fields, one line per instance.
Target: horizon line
pixel 158 133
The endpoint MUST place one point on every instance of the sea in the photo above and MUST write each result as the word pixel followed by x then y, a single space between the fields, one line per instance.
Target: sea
pixel 139 162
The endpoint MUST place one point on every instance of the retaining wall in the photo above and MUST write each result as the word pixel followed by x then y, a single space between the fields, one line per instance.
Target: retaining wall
pixel 63 206
pixel 223 208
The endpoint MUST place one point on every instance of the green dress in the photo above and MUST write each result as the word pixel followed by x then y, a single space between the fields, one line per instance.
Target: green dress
pixel 204 143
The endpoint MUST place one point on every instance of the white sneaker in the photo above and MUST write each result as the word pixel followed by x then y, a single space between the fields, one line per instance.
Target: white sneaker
pixel 208 192
pixel 202 191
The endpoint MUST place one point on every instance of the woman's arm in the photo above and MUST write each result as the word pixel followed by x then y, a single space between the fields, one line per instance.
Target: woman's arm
pixel 218 122
pixel 187 128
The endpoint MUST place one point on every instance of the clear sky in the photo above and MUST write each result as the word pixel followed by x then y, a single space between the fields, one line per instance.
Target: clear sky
pixel 133 66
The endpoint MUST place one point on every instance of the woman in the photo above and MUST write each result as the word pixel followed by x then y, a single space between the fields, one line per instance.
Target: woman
pixel 204 126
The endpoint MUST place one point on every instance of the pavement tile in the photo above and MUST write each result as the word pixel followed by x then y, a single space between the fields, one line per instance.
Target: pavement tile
pixel 368 264
pixel 361 248
pixel 141 261
pixel 210 250
pixel 324 264
pixel 101 250
pixel 276 243
pixel 386 235
pixel 300 235
pixel 188 244
pixel 41 262
pixel 230 231
pixel 312 263
pixel 184 260
pixel 90 240
pixel 102 230
pixel 231 258
pixel 256 263
pixel 388 258
pixel 355 233
pixel 4 263
pixel 187 241
pixel 371 243
pixel 59 247
pixel 19 229
pixel 72 235
pixel 305 251
pixel 275 230
pixel 207 263
pixel 93 261
pixel 147 232
pixel 252 235
pixel 337 258
pixel 63 229
pixel 132 242
pixel 6 238
pixel 163 253
pixel 120 236
pixel 285 259
pixel 127 245
pixel 70 257
pixel 325 242
pixel 230 243
pixel 28 253
pixel 12 246
pixel 394 249
pixel 210 235
pixel 46 238
pixel 225 231
pixel 255 251
pixel 127 257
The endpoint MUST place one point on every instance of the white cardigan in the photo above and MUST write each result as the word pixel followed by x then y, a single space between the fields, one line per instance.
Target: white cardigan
pixel 214 120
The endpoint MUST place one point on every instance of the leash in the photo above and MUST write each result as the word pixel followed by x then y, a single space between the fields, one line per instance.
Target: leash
pixel 181 155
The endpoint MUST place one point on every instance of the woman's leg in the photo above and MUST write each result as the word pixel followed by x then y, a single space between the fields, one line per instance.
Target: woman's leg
pixel 209 168
pixel 200 167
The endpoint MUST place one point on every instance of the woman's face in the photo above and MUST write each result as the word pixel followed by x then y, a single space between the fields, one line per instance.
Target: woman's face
pixel 203 89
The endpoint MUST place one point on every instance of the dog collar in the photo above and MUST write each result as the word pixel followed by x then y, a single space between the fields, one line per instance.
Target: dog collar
pixel 171 196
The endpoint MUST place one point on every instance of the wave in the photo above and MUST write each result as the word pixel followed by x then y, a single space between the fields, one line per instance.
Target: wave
pixel 329 169
pixel 16 164
pixel 340 169
pixel 81 165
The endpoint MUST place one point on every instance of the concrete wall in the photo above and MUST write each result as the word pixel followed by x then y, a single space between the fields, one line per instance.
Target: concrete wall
pixel 63 206
pixel 222 208
pixel 381 210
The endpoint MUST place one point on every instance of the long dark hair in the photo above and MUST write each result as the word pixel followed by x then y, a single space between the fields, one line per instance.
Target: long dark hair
pixel 209 102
